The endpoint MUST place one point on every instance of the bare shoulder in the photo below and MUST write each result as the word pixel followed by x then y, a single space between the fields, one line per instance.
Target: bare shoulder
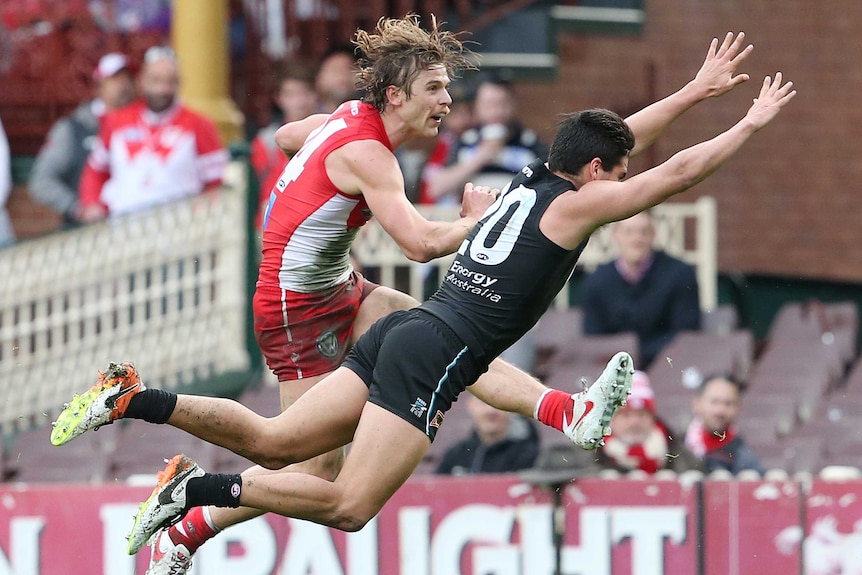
pixel 374 148
pixel 366 155
pixel 575 215
pixel 364 166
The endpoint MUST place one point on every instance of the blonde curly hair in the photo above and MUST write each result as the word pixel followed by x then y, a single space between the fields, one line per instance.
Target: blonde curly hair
pixel 399 50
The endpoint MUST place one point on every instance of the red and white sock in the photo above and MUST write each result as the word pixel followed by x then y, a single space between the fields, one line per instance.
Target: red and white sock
pixel 551 407
pixel 194 530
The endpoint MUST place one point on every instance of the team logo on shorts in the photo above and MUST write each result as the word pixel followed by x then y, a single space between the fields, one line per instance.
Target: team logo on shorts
pixel 437 420
pixel 418 408
pixel 327 345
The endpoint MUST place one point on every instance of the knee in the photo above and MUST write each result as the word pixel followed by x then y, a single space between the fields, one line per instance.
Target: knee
pixel 349 509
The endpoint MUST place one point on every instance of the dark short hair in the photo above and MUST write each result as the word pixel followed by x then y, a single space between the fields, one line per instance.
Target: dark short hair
pixel 300 71
pixel 594 133
pixel 731 379
pixel 494 79
pixel 346 49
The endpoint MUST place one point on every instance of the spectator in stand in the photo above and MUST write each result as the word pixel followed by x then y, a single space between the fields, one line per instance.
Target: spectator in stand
pixel 295 98
pixel 501 442
pixel 495 150
pixel 641 440
pixel 712 433
pixel 56 173
pixel 153 151
pixel 644 291
pixel 7 233
pixel 336 78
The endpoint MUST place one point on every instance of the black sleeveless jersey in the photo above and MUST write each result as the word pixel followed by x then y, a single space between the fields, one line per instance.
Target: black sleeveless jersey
pixel 506 273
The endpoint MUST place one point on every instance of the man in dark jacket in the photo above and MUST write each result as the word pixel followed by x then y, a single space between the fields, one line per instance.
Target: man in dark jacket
pixel 499 443
pixel 644 291
pixel 712 433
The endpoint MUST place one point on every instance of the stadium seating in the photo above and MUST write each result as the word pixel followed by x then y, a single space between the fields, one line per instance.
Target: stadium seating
pixel 800 409
pixel 853 384
pixel 694 355
pixel 142 449
pixel 720 320
pixel 790 454
pixel 87 459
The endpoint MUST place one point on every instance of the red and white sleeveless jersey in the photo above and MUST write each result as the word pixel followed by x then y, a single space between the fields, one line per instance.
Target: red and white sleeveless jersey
pixel 142 159
pixel 310 224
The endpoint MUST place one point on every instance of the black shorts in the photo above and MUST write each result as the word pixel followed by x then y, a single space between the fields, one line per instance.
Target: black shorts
pixel 415 367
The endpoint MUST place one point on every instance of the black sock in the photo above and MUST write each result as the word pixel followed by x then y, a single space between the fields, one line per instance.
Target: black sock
pixel 152 405
pixel 219 489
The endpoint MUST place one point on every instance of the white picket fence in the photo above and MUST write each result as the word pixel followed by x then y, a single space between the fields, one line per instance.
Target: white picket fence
pixel 685 230
pixel 164 289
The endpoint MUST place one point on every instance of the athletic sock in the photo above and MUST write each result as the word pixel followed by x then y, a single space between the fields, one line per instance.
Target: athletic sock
pixel 151 405
pixel 218 489
pixel 194 530
pixel 551 407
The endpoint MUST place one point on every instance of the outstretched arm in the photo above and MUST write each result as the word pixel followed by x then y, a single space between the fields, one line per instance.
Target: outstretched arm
pixel 599 202
pixel 716 76
pixel 369 168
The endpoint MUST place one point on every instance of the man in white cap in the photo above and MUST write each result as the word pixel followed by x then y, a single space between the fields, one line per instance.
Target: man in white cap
pixel 57 170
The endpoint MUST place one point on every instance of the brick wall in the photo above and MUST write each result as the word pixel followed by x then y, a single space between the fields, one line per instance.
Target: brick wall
pixel 788 203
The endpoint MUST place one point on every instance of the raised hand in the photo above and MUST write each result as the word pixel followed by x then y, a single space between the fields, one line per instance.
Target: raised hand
pixel 718 75
pixel 772 98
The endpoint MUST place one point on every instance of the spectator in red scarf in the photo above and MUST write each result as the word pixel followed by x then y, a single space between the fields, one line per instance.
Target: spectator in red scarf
pixel 640 439
pixel 712 433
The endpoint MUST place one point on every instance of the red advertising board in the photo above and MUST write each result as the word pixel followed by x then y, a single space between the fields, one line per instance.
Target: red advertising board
pixel 749 527
pixel 832 544
pixel 491 525
pixel 630 527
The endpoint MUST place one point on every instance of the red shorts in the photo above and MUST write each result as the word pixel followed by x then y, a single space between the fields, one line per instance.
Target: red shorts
pixel 307 334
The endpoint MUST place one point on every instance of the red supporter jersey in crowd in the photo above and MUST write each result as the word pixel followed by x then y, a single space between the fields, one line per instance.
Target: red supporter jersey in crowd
pixel 142 159
pixel 309 224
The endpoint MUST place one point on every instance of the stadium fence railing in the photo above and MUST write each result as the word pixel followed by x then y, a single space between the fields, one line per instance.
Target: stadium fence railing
pixel 164 289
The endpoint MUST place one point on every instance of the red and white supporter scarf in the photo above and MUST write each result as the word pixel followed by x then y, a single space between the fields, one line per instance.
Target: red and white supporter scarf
pixel 650 456
pixel 700 441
